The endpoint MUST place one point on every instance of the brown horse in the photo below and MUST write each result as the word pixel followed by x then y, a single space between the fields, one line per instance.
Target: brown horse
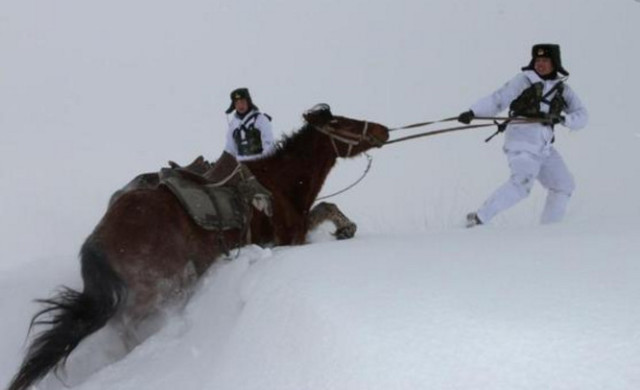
pixel 147 253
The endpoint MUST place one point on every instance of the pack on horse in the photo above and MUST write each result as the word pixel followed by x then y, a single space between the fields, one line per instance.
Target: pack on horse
pixel 147 251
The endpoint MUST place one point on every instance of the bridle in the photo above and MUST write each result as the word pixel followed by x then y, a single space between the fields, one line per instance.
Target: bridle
pixel 348 138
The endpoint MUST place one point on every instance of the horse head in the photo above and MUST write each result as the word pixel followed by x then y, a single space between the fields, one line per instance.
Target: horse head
pixel 349 137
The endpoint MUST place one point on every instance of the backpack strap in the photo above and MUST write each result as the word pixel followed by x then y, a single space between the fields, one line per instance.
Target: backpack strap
pixel 250 118
pixel 253 117
pixel 559 87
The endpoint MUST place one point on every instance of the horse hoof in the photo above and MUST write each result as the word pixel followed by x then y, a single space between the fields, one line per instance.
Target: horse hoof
pixel 346 232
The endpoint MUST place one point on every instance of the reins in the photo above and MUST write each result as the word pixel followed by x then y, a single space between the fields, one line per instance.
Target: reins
pixel 421 124
pixel 347 138
pixel 501 127
pixel 366 170
pixel 351 141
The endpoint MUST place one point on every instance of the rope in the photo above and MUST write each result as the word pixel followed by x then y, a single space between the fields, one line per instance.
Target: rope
pixel 459 128
pixel 435 132
pixel 366 170
pixel 420 124
pixel 430 133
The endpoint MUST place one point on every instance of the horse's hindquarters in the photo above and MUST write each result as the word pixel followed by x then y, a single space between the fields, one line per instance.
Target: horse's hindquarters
pixel 157 250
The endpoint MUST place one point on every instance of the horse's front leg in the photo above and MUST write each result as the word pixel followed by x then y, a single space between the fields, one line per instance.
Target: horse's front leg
pixel 345 228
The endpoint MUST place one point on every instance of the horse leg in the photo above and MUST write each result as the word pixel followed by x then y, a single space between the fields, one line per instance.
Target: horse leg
pixel 345 228
pixel 151 304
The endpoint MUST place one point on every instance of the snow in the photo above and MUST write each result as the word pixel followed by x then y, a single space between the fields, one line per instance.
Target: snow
pixel 92 94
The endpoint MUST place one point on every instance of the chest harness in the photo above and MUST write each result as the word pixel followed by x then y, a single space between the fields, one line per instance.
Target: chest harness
pixel 527 105
pixel 247 137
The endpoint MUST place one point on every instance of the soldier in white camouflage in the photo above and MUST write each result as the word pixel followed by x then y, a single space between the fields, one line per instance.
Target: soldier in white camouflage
pixel 539 91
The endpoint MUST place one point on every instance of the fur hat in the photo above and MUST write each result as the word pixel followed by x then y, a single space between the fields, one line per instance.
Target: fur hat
pixel 548 50
pixel 237 94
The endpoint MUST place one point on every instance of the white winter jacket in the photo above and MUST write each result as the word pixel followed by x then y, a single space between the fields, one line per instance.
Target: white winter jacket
pixel 531 137
pixel 260 122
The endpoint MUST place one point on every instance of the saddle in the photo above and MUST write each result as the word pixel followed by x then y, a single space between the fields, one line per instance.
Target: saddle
pixel 220 198
pixel 212 207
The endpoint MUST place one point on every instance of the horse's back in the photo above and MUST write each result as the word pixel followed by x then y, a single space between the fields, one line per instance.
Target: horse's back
pixel 141 222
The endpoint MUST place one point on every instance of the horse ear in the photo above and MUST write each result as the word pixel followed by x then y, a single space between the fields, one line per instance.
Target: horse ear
pixel 318 115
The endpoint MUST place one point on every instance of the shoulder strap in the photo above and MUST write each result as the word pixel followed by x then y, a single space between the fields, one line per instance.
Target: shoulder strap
pixel 558 87
pixel 254 117
pixel 250 118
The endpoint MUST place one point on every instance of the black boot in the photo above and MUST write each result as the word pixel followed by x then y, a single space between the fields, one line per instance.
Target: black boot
pixel 473 220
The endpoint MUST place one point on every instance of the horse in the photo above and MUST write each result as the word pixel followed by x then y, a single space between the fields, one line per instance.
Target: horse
pixel 146 252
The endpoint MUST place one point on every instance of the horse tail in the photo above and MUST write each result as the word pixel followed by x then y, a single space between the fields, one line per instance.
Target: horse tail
pixel 72 315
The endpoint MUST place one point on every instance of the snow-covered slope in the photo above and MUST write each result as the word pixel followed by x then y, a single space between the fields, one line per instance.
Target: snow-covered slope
pixel 93 93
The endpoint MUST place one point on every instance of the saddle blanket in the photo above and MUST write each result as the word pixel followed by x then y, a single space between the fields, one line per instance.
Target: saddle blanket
pixel 211 207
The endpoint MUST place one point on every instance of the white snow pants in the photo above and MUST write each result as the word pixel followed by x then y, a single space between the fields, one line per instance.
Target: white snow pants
pixel 549 169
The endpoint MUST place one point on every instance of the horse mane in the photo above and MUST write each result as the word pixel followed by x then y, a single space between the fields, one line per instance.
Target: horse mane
pixel 313 161
pixel 295 143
